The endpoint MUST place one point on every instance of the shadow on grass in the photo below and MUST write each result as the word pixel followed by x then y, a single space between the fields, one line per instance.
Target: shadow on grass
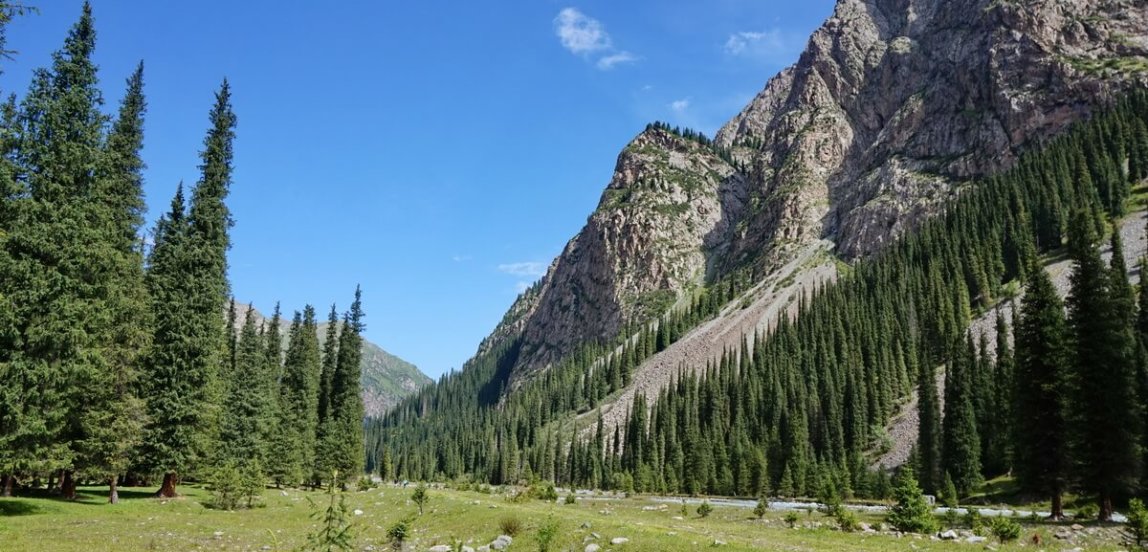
pixel 17 507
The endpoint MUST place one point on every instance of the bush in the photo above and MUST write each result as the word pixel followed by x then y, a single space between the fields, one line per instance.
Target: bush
pixel 761 508
pixel 1136 529
pixel 420 497
pixel 398 533
pixel 510 525
pixel 335 526
pixel 846 520
pixel 1004 529
pixel 791 519
pixel 1088 512
pixel 543 491
pixel 685 510
pixel 570 498
pixel 950 518
pixel 365 484
pixel 546 533
pixel 911 514
pixel 226 484
pixel 974 521
pixel 704 510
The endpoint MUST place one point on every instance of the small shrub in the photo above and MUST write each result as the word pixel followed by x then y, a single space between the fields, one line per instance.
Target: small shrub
pixel 365 484
pixel 334 532
pixel 1004 529
pixel 950 518
pixel 1088 512
pixel 846 520
pixel 911 514
pixel 1136 529
pixel 510 525
pixel 791 519
pixel 398 533
pixel 546 533
pixel 975 522
pixel 543 491
pixel 420 497
pixel 761 508
pixel 685 510
pixel 571 499
pixel 704 510
pixel 226 485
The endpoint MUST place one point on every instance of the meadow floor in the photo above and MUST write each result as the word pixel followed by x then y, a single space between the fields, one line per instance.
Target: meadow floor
pixel 284 520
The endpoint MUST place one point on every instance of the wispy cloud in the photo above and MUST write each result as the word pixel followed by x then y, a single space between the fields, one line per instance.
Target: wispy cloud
pixel 774 45
pixel 528 268
pixel 678 106
pixel 461 258
pixel 585 36
pixel 608 62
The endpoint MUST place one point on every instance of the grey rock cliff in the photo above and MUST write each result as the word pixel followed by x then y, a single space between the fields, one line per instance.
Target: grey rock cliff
pixel 893 105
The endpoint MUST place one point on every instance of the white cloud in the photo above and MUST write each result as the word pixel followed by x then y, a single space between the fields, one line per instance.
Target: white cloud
pixel 461 258
pixel 771 45
pixel 583 35
pixel 529 268
pixel 579 33
pixel 608 62
pixel 678 106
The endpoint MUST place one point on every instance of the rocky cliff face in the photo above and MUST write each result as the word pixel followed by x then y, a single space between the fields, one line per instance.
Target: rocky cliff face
pixel 892 106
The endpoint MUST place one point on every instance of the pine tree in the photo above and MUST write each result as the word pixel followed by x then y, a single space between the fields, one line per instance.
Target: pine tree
pixel 960 440
pixel 1041 393
pixel 929 429
pixel 244 431
pixel 188 283
pixel 1106 415
pixel 299 398
pixel 115 415
pixel 342 445
pixel 64 258
pixel 323 463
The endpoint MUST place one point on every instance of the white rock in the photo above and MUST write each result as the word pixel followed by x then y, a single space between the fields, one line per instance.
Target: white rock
pixel 949 535
pixel 440 548
pixel 719 542
pixel 358 512
pixel 619 540
pixel 592 548
pixel 467 549
pixel 975 539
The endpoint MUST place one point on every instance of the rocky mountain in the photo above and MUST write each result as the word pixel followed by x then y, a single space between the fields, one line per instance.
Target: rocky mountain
pixel 893 105
pixel 385 379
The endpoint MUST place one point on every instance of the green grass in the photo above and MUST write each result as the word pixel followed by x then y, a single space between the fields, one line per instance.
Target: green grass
pixel 143 523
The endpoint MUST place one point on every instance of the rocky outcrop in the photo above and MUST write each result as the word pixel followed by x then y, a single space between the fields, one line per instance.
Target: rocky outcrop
pixel 893 106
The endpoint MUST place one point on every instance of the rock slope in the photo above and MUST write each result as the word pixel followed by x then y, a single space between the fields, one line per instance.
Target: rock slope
pixel 893 105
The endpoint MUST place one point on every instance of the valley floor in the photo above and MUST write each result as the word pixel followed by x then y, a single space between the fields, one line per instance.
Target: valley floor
pixel 284 520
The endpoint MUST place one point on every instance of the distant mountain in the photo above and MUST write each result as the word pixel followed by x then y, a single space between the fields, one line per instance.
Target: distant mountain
pixel 386 378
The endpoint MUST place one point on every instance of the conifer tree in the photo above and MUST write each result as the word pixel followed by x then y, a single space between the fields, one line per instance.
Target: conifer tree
pixel 1041 393
pixel 1106 416
pixel 342 445
pixel 188 282
pixel 115 415
pixel 299 399
pixel 960 440
pixel 244 430
pixel 929 429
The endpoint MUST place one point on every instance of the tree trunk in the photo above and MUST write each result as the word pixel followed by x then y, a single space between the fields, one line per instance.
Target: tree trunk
pixel 167 489
pixel 7 492
pixel 68 486
pixel 1057 510
pixel 113 491
pixel 1105 504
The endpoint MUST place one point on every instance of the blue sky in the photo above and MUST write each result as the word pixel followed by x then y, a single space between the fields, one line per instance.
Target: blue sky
pixel 439 153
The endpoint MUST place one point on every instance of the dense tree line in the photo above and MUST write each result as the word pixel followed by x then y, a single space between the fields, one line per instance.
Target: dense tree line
pixel 801 411
pixel 118 359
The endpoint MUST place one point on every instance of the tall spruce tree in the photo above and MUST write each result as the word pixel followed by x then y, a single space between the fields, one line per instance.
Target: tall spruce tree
pixel 189 288
pixel 244 429
pixel 115 415
pixel 929 429
pixel 1106 415
pixel 342 445
pixel 1041 393
pixel 299 400
pixel 960 457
